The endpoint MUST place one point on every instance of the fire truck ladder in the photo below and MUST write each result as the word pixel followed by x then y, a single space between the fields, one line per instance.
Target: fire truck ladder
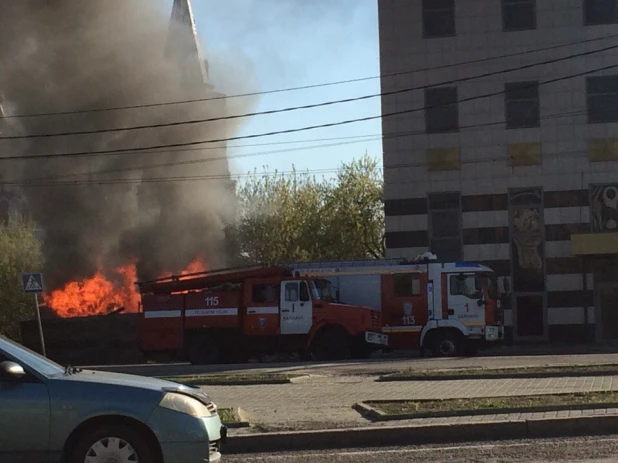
pixel 202 280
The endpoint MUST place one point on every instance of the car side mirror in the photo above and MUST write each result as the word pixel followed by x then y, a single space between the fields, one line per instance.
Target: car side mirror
pixel 11 371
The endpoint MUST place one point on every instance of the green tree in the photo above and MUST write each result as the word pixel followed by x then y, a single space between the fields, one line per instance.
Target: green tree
pixel 278 213
pixel 353 215
pixel 20 251
pixel 298 217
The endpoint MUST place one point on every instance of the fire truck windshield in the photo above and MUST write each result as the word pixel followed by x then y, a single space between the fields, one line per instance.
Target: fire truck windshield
pixel 322 289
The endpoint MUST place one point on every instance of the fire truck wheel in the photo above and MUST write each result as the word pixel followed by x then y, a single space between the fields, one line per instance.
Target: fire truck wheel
pixel 447 344
pixel 330 343
pixel 203 350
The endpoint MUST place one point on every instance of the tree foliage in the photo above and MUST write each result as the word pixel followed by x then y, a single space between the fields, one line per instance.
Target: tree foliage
pixel 20 251
pixel 298 217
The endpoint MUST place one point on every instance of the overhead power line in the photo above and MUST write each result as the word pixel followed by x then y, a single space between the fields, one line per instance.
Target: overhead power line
pixel 38 180
pixel 311 106
pixel 377 137
pixel 212 177
pixel 129 151
pixel 320 85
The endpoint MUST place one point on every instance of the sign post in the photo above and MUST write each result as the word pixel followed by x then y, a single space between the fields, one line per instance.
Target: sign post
pixel 33 284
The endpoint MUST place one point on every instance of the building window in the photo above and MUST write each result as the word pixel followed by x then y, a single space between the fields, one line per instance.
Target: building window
pixel 441 159
pixel 522 105
pixel 518 15
pixel 441 112
pixel 600 12
pixel 524 154
pixel 438 18
pixel 445 226
pixel 603 150
pixel 602 94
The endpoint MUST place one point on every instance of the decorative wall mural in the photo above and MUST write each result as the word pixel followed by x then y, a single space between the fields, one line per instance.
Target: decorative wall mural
pixel 527 246
pixel 527 237
pixel 604 208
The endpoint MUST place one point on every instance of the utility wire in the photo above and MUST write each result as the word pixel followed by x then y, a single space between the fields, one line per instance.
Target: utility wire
pixel 311 106
pixel 264 153
pixel 288 131
pixel 321 85
pixel 138 180
pixel 135 181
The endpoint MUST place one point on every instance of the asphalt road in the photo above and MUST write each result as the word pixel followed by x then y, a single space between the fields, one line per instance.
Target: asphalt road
pixel 576 450
pixel 373 367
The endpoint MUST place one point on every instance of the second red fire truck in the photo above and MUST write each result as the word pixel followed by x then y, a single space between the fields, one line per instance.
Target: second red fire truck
pixel 446 309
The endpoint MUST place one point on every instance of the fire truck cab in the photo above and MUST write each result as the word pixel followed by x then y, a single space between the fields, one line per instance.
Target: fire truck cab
pixel 230 315
pixel 446 309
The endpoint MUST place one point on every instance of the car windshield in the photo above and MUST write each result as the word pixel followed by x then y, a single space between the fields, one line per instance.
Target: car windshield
pixel 29 359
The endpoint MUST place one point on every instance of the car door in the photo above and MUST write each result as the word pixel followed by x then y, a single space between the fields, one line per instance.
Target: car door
pixel 296 308
pixel 24 420
pixel 465 299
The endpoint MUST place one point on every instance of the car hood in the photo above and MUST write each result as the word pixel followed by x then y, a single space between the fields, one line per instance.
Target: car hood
pixel 123 380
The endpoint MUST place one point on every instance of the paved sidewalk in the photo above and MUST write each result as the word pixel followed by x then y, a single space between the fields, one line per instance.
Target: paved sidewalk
pixel 325 402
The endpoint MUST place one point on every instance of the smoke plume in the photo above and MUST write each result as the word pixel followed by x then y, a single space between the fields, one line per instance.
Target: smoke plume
pixel 65 55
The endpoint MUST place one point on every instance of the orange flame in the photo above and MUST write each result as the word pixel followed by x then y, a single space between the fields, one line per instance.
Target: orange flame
pixel 197 266
pixel 96 295
pixel 99 296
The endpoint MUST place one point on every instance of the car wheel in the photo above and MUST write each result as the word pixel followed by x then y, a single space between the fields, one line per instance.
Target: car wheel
pixel 447 345
pixel 119 444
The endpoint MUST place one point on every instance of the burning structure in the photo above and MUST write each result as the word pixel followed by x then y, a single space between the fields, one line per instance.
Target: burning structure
pixel 134 204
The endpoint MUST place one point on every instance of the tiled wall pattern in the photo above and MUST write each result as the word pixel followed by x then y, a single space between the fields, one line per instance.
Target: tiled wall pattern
pixel 565 156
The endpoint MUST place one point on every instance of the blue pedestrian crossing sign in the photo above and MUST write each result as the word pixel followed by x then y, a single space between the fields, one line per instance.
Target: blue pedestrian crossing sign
pixel 33 282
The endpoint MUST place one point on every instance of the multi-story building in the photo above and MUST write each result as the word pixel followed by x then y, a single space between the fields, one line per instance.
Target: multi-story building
pixel 517 169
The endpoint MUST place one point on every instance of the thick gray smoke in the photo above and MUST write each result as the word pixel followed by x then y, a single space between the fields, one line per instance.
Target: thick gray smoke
pixel 63 55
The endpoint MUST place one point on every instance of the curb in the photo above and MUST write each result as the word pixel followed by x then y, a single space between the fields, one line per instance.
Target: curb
pixel 506 375
pixel 422 434
pixel 374 414
pixel 241 417
pixel 206 381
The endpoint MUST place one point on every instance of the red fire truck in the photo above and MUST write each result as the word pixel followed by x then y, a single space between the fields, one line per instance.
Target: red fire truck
pixel 446 309
pixel 228 315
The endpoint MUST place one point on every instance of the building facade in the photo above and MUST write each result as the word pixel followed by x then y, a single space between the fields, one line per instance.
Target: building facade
pixel 500 126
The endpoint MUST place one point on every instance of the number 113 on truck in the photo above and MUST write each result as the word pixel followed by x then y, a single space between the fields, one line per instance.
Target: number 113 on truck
pixel 447 309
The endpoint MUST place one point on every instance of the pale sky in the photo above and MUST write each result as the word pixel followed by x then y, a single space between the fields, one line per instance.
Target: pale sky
pixel 261 45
